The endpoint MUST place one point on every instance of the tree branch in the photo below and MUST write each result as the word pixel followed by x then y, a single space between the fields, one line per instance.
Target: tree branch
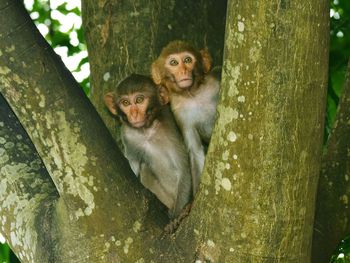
pixel 332 219
pixel 27 193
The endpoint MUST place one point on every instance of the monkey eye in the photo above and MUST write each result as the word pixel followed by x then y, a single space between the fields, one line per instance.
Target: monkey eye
pixel 173 62
pixel 125 103
pixel 188 60
pixel 140 99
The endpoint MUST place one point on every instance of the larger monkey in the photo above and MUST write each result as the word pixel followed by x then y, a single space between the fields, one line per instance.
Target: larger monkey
pixel 193 92
pixel 152 142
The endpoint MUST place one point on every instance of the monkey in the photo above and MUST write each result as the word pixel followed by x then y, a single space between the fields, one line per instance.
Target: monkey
pixel 193 92
pixel 152 141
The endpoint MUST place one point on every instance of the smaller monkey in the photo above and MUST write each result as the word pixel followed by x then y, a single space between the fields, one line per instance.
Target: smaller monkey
pixel 193 91
pixel 152 142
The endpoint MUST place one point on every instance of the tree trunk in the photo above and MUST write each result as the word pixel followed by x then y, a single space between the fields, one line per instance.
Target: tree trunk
pixel 332 210
pixel 256 200
pixel 256 203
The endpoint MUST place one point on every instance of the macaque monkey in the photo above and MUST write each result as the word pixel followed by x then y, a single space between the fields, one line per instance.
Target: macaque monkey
pixel 152 142
pixel 193 94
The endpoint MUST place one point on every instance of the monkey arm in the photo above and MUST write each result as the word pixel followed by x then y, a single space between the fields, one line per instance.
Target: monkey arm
pixel 184 193
pixel 151 182
pixel 129 153
pixel 135 166
pixel 196 153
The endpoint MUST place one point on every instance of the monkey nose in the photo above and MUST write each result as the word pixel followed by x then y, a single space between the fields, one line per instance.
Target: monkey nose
pixel 183 71
pixel 133 111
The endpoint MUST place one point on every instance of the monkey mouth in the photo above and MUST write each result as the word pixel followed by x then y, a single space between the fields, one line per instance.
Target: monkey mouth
pixel 138 124
pixel 185 83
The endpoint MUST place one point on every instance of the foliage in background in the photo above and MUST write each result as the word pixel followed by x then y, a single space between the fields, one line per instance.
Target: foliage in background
pixel 339 55
pixel 6 255
pixel 58 21
pixel 338 59
pixel 342 255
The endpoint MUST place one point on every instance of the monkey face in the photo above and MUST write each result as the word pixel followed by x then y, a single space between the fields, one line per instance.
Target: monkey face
pixel 134 106
pixel 180 66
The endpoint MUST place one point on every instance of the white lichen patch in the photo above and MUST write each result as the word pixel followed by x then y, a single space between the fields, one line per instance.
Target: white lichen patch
pixel 127 244
pixel 9 145
pixel 240 26
pixel 70 157
pixel 226 115
pixel 106 76
pixel 220 181
pixel 107 245
pixel 220 168
pixel 233 74
pixel 240 37
pixel 16 78
pixel 137 226
pixel 235 114
pixel 232 137
pixel 10 48
pixel 235 33
pixel 135 13
pixel 241 99
pixel 226 184
pixel 13 202
pixel 78 213
pixel 41 97
pixel 255 53
pixel 4 70
pixel 225 155
pixel 210 243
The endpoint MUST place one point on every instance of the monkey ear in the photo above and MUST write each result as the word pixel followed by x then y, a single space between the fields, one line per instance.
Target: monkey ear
pixel 163 94
pixel 109 101
pixel 156 76
pixel 206 59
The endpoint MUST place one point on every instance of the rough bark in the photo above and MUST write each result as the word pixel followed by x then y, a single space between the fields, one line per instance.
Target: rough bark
pixel 126 36
pixel 27 193
pixel 332 219
pixel 257 198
